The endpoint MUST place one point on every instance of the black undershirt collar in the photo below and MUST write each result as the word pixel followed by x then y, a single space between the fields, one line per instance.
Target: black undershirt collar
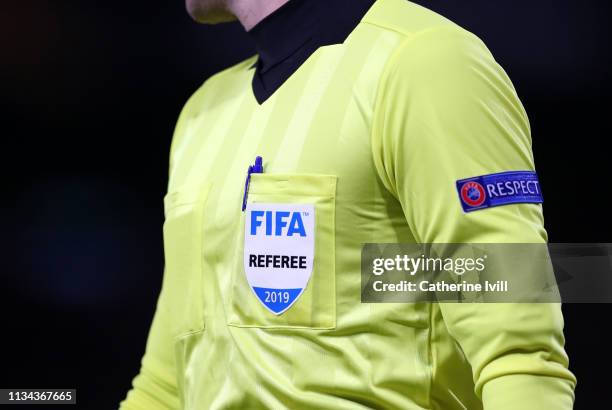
pixel 287 37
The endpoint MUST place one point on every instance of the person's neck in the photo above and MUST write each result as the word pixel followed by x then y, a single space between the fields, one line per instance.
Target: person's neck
pixel 251 12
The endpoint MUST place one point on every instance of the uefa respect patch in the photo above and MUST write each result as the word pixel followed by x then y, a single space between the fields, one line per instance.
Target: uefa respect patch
pixel 279 242
pixel 503 188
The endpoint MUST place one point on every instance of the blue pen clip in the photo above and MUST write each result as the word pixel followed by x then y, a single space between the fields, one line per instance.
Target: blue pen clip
pixel 256 168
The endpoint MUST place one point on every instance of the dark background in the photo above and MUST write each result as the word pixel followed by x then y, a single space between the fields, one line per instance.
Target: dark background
pixel 90 92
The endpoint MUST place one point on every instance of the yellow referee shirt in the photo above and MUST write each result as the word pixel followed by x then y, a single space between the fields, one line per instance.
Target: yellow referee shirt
pixel 363 143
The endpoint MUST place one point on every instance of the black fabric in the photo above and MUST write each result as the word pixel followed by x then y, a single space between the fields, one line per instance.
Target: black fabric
pixel 287 37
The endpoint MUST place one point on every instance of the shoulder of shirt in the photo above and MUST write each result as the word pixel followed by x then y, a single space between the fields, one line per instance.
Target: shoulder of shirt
pixel 408 19
pixel 424 47
pixel 225 83
pixel 403 17
pixel 417 27
pixel 221 84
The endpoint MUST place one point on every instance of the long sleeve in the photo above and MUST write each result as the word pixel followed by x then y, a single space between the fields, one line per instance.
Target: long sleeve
pixel 155 386
pixel 446 111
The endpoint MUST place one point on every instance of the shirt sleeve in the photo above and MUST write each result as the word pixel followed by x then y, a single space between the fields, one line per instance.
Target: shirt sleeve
pixel 445 111
pixel 154 388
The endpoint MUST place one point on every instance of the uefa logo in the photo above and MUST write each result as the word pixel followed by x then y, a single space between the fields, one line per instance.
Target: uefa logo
pixel 473 194
pixel 502 188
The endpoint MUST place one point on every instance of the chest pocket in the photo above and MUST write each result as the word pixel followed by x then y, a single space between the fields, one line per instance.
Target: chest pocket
pixel 284 270
pixel 183 256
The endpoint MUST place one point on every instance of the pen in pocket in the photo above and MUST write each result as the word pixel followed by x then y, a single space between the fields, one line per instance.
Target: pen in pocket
pixel 256 168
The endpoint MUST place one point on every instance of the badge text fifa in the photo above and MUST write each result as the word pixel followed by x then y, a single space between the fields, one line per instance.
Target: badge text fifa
pixel 277 223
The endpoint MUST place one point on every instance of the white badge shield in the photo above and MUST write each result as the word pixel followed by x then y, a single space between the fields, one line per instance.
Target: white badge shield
pixel 279 252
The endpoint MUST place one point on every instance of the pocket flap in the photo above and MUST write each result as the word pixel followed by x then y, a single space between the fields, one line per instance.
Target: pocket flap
pixel 184 196
pixel 314 185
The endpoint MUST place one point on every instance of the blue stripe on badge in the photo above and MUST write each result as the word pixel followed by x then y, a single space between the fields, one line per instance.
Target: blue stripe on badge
pixel 503 188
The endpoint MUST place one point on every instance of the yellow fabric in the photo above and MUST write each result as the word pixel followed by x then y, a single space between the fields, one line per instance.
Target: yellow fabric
pixel 317 306
pixel 374 132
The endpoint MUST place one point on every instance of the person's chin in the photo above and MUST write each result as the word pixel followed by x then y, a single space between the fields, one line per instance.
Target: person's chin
pixel 208 14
